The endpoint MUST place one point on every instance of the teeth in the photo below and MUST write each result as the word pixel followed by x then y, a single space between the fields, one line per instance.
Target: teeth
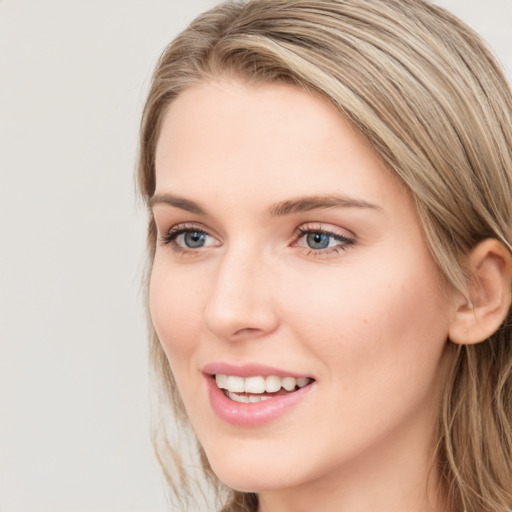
pixel 222 381
pixel 258 384
pixel 255 385
pixel 272 384
pixel 247 398
pixel 235 384
pixel 289 383
pixel 303 381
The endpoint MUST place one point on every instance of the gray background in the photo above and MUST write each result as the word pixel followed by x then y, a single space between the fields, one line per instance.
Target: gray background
pixel 73 379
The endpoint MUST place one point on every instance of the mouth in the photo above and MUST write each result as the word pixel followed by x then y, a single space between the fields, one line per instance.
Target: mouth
pixel 258 388
pixel 254 395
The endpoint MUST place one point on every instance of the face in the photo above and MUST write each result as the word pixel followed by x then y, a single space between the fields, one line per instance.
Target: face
pixel 292 290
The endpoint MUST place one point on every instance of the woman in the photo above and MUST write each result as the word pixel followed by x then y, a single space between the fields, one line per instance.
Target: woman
pixel 330 255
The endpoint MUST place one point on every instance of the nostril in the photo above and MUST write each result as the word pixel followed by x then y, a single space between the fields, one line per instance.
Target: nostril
pixel 247 330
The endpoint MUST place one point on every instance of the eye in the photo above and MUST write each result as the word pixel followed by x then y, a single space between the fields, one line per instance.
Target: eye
pixel 321 241
pixel 192 239
pixel 183 238
pixel 318 240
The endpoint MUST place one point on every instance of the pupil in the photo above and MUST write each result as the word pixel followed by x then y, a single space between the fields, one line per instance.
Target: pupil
pixel 317 240
pixel 194 239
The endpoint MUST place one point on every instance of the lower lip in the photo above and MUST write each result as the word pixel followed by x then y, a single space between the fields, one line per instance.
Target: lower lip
pixel 252 414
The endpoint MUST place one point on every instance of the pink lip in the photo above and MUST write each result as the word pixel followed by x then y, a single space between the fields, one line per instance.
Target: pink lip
pixel 247 370
pixel 252 414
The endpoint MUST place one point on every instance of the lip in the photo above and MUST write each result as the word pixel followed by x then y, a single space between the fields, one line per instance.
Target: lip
pixel 247 370
pixel 251 414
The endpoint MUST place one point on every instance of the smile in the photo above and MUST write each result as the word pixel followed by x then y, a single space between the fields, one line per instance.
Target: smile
pixel 258 388
pixel 254 395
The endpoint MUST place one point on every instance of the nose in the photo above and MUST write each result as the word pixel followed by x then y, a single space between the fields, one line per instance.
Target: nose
pixel 241 303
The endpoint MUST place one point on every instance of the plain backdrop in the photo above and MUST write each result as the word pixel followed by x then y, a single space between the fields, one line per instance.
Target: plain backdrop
pixel 74 431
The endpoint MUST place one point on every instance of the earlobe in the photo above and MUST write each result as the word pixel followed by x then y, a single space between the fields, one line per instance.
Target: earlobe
pixel 490 268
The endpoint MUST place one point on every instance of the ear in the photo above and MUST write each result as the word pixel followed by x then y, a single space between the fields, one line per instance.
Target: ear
pixel 489 265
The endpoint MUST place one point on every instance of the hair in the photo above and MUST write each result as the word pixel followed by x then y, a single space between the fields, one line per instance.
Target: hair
pixel 429 98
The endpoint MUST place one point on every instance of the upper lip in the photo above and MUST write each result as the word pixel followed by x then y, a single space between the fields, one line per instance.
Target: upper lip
pixel 248 370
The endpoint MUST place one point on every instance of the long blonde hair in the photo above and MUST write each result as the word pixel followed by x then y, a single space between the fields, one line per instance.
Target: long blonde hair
pixel 431 100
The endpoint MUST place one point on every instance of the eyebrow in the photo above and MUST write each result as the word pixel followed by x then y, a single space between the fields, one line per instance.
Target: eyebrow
pixel 288 207
pixel 177 202
pixel 308 203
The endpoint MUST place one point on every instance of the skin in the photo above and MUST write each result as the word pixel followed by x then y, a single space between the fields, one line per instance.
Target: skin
pixel 368 319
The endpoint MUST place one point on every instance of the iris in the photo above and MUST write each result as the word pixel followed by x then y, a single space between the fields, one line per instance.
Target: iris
pixel 318 240
pixel 194 239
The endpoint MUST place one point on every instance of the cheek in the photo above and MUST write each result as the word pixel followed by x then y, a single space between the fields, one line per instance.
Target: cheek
pixel 378 340
pixel 371 318
pixel 175 307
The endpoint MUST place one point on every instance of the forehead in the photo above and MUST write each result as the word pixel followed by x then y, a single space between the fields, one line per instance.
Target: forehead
pixel 227 136
pixel 230 112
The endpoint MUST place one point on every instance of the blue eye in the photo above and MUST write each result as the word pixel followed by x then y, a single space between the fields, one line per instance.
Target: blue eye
pixel 184 238
pixel 318 240
pixel 192 239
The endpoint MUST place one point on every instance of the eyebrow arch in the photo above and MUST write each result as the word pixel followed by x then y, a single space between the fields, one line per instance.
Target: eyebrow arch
pixel 288 207
pixel 177 202
pixel 308 203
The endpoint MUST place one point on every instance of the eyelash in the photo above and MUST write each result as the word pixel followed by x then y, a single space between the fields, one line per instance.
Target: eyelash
pixel 344 242
pixel 169 238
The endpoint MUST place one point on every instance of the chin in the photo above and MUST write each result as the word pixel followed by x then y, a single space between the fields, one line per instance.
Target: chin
pixel 263 470
pixel 251 481
pixel 245 475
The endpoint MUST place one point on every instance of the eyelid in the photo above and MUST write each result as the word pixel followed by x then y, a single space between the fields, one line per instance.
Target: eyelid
pixel 324 227
pixel 345 238
pixel 168 237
